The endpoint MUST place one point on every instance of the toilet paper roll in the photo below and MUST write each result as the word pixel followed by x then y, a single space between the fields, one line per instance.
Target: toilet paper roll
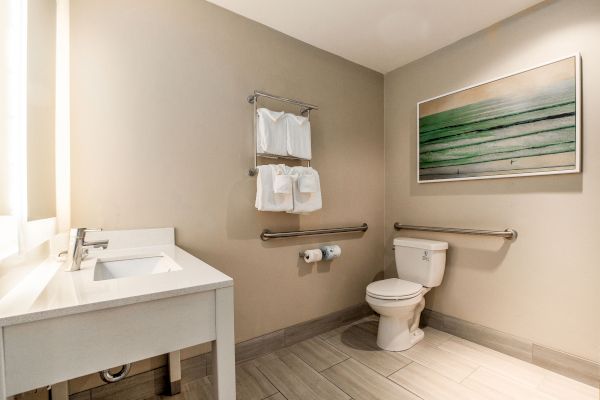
pixel 313 255
pixel 331 252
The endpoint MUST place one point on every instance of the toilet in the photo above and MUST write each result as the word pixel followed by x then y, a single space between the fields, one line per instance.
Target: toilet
pixel 420 264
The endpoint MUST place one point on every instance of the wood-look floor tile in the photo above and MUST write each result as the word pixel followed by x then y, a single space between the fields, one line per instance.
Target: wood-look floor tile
pixel 436 337
pixel 317 353
pixel 360 343
pixel 526 373
pixel 362 383
pixel 488 337
pixel 430 385
pixel 276 396
pixel 564 388
pixel 504 385
pixel 585 371
pixel 445 363
pixel 251 383
pixel 486 390
pixel 370 318
pixel 295 379
pixel 198 390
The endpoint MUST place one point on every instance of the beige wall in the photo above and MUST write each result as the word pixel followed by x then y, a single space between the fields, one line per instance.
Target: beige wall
pixel 161 136
pixel 545 286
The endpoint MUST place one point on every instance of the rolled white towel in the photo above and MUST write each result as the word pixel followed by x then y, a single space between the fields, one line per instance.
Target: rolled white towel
pixel 271 132
pixel 266 198
pixel 298 136
pixel 305 202
pixel 282 182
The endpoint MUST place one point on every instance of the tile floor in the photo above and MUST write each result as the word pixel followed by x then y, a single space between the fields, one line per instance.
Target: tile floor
pixel 346 364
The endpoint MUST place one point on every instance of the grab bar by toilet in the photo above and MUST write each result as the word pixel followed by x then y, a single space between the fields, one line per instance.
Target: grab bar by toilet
pixel 509 234
pixel 267 234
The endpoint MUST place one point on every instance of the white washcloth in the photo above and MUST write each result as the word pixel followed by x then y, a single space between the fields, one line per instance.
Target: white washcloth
pixel 266 199
pixel 282 182
pixel 271 132
pixel 308 183
pixel 305 202
pixel 298 136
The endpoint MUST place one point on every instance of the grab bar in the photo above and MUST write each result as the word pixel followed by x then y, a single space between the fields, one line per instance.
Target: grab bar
pixel 509 234
pixel 267 234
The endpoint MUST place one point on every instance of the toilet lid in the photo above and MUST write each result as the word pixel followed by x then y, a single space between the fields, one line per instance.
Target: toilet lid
pixel 394 289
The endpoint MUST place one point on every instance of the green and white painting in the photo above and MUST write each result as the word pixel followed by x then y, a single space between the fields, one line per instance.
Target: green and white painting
pixel 522 124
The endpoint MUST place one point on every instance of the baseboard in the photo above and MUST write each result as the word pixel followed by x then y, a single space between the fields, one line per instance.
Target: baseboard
pixel 155 382
pixel 583 370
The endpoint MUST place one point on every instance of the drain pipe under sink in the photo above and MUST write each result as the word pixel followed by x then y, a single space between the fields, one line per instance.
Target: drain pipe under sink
pixel 108 377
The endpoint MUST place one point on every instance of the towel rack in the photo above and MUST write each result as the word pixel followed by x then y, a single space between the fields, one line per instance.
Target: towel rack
pixel 267 234
pixel 509 234
pixel 305 108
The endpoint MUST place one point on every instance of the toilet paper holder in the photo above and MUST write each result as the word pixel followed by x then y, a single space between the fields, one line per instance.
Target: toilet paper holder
pixel 323 249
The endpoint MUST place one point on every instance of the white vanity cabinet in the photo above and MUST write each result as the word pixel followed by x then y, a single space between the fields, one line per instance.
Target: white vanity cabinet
pixel 72 325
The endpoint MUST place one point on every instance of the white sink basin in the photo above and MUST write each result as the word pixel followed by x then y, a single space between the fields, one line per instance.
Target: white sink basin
pixel 123 267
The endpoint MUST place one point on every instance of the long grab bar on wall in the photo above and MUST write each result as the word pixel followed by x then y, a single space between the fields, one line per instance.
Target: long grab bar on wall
pixel 267 234
pixel 510 234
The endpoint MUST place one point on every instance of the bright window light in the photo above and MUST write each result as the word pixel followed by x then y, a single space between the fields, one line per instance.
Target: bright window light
pixel 13 82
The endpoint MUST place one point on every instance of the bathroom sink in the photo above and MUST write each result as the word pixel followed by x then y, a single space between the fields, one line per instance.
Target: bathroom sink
pixel 123 267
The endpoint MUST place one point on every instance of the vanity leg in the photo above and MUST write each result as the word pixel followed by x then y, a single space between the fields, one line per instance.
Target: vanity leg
pixel 60 391
pixel 223 348
pixel 174 373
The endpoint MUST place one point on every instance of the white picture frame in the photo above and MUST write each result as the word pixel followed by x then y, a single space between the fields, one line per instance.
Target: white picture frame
pixel 440 173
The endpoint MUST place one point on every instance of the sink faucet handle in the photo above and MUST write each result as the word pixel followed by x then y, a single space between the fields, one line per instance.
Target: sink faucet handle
pixel 88 230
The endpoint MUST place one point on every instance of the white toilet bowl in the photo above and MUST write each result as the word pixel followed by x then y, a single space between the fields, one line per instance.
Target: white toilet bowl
pixel 399 313
pixel 420 265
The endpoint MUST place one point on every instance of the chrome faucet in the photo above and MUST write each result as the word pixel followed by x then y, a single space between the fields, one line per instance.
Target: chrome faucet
pixel 78 247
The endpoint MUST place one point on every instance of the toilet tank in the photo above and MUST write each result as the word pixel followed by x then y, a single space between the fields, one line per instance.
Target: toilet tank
pixel 420 260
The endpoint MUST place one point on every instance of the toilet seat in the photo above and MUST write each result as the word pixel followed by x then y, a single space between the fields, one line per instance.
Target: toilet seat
pixel 394 289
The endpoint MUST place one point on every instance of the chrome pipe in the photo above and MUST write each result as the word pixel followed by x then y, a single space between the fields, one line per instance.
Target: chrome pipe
pixel 108 377
pixel 267 234
pixel 509 234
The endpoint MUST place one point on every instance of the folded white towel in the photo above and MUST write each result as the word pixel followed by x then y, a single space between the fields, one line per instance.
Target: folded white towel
pixel 298 136
pixel 271 132
pixel 266 198
pixel 282 182
pixel 305 202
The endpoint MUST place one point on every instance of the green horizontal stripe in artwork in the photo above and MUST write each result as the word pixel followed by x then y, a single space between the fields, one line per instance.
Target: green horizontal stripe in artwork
pixel 500 122
pixel 472 138
pixel 502 146
pixel 554 94
pixel 424 176
pixel 536 151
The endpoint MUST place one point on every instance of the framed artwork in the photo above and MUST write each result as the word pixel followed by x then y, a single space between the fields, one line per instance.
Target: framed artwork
pixel 523 124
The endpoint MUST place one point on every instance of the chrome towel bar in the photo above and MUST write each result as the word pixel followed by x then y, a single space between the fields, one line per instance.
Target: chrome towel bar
pixel 267 234
pixel 305 108
pixel 510 234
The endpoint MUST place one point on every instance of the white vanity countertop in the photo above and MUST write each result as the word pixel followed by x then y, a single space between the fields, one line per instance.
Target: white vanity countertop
pixel 49 291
